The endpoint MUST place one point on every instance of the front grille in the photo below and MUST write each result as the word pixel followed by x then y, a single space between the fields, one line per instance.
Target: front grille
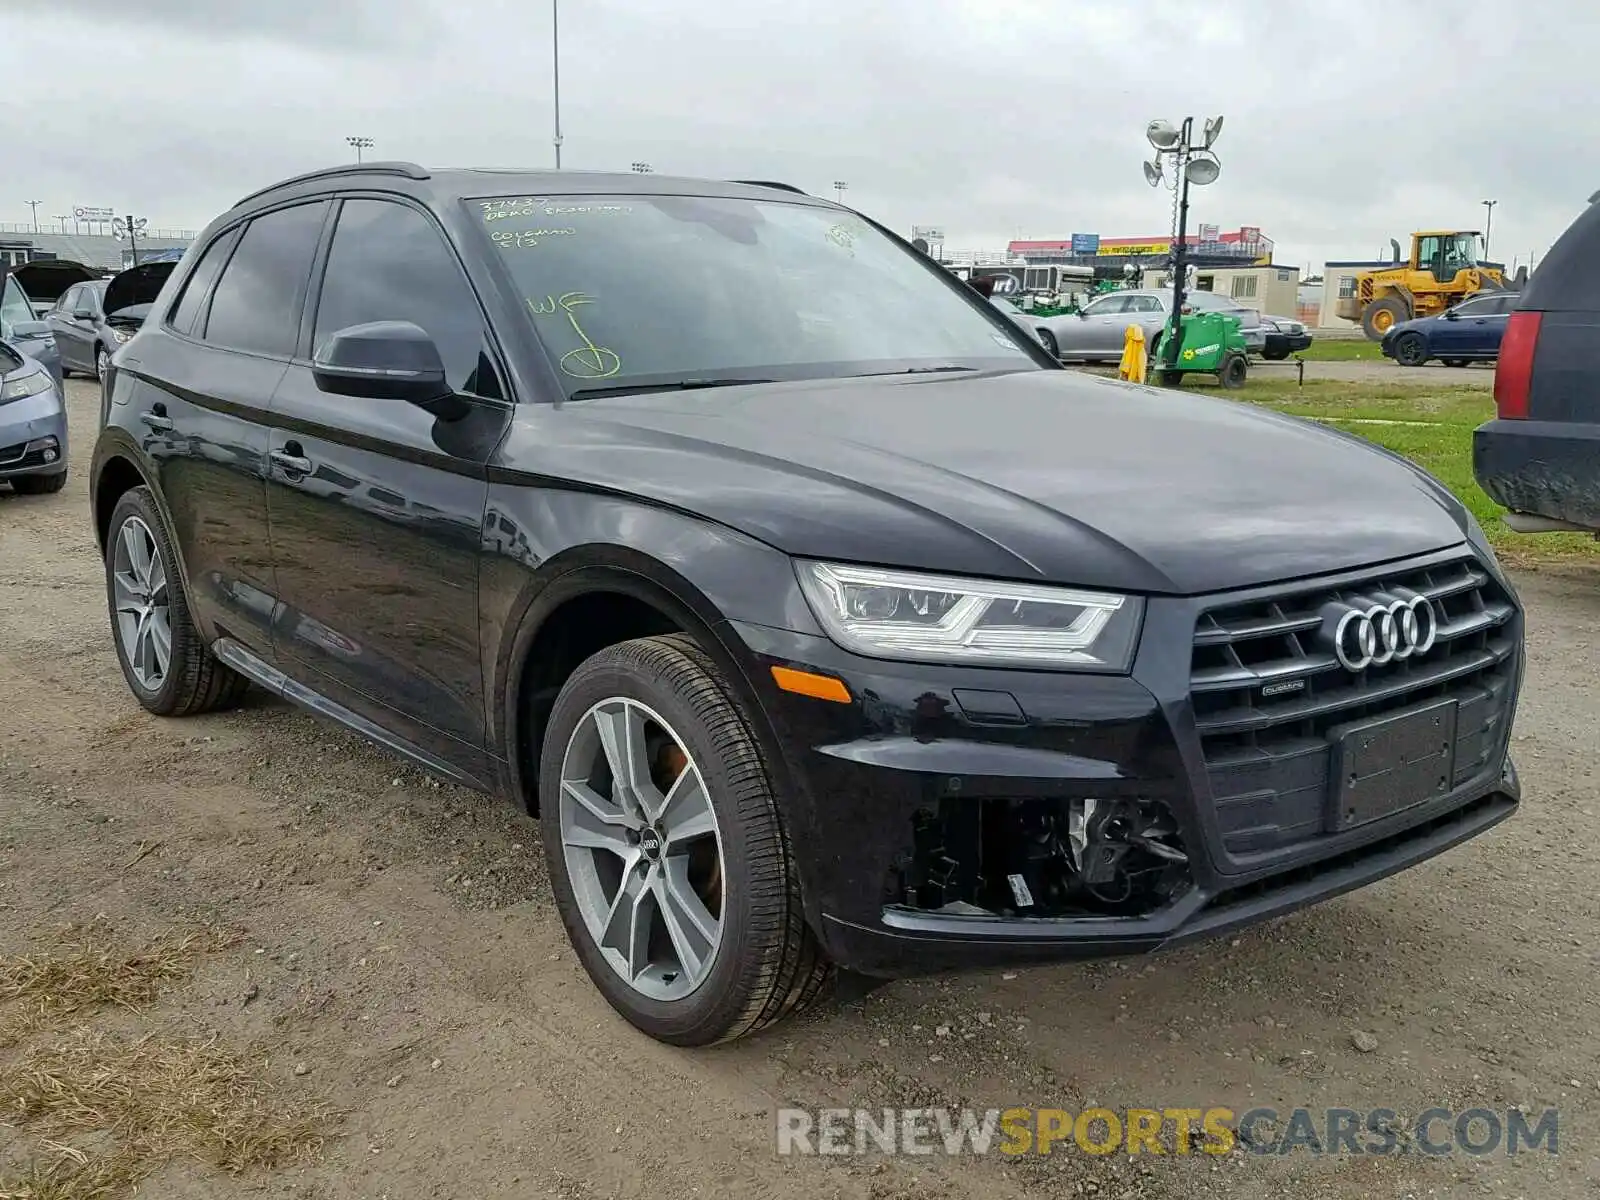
pixel 1267 690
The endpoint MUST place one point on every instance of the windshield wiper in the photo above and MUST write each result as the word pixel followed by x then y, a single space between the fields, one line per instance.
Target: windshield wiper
pixel 680 385
pixel 916 371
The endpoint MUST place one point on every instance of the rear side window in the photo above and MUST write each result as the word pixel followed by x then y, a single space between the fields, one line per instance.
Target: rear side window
pixel 388 262
pixel 199 282
pixel 258 300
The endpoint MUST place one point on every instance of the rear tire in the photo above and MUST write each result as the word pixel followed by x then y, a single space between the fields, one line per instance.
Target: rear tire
pixel 192 680
pixel 1410 350
pixel 39 485
pixel 1383 315
pixel 1455 362
pixel 764 962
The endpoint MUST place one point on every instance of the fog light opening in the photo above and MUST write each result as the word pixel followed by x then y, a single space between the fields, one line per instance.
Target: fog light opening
pixel 1038 857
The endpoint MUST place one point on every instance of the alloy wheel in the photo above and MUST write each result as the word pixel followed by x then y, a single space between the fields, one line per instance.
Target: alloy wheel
pixel 642 848
pixel 140 597
pixel 102 360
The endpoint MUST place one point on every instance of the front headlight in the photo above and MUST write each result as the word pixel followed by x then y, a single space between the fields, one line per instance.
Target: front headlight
pixel 123 334
pixel 21 386
pixel 932 618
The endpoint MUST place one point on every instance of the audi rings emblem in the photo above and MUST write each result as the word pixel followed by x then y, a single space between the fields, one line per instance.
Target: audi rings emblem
pixel 1372 633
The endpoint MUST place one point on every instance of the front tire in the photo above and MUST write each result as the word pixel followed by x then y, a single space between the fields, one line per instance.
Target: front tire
pixel 1455 362
pixel 102 362
pixel 1383 315
pixel 169 668
pixel 677 886
pixel 1274 355
pixel 1048 341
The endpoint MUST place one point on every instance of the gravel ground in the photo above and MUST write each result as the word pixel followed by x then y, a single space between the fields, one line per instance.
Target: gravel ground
pixel 1388 372
pixel 402 962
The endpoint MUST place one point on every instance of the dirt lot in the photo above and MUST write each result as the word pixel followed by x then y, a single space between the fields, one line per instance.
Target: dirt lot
pixel 399 963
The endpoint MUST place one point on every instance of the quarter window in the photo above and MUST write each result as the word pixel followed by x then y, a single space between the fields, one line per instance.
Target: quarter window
pixel 259 298
pixel 388 262
pixel 199 282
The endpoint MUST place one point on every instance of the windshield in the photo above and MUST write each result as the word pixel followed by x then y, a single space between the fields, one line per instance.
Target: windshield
pixel 1461 250
pixel 653 291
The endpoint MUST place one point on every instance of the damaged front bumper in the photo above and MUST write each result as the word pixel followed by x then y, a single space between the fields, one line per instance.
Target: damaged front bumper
pixel 960 818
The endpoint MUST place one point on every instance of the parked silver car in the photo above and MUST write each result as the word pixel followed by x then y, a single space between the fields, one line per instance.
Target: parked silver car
pixel 1098 332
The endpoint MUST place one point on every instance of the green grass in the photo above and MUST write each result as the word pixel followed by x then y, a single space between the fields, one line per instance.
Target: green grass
pixel 1326 349
pixel 1436 434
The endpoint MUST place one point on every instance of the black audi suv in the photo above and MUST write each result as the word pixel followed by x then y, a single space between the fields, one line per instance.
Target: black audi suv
pixel 821 617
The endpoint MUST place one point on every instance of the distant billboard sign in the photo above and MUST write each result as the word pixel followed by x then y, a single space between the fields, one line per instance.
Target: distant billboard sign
pixel 1134 249
pixel 1249 234
pixel 84 212
pixel 1086 243
pixel 933 233
pixel 1210 233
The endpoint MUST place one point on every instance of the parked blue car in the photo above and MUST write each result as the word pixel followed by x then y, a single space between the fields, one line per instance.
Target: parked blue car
pixel 1469 332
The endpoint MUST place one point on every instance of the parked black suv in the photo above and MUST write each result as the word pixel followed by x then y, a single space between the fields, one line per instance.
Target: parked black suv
pixel 820 615
pixel 1540 456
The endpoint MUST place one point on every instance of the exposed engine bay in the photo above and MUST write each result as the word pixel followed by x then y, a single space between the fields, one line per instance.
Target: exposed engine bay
pixel 1037 857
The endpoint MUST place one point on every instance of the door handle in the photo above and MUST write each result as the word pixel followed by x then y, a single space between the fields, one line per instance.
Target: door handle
pixel 157 421
pixel 292 464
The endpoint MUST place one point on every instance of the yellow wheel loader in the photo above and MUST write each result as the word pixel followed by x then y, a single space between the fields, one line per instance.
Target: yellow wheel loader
pixel 1443 271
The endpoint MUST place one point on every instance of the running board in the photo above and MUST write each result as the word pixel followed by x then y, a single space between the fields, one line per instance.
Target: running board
pixel 275 681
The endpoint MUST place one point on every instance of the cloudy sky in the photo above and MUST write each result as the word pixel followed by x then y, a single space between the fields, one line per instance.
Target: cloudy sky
pixel 1347 122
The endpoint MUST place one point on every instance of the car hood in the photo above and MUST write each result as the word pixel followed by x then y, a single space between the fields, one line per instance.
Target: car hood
pixel 1415 325
pixel 136 285
pixel 47 279
pixel 1050 475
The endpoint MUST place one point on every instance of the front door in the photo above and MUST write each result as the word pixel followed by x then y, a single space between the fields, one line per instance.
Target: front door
pixel 72 333
pixel 377 507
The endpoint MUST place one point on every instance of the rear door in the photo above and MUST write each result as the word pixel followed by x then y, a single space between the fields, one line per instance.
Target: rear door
pixel 200 393
pixel 377 507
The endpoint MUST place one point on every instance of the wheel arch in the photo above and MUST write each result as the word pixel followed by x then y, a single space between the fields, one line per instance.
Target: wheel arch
pixel 582 601
pixel 115 474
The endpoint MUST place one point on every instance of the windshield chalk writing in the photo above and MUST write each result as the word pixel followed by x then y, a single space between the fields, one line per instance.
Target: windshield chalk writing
pixel 522 239
pixel 543 206
pixel 588 361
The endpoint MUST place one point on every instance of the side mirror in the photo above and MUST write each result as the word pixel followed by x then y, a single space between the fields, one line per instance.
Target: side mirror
pixel 82 314
pixel 384 360
pixel 1451 314
pixel 25 330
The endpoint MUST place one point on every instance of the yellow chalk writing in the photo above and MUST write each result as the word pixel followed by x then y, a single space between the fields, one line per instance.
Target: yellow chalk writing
pixel 588 361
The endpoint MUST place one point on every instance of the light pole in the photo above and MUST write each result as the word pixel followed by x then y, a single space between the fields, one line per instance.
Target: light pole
pixel 1190 164
pixel 642 168
pixel 555 44
pixel 129 227
pixel 839 187
pixel 34 205
pixel 359 144
pixel 1488 224
pixel 62 219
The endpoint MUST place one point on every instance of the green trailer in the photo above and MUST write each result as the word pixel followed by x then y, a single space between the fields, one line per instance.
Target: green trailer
pixel 1210 344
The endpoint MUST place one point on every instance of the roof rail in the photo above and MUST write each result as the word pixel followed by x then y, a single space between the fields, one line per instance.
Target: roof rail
pixel 769 183
pixel 408 170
